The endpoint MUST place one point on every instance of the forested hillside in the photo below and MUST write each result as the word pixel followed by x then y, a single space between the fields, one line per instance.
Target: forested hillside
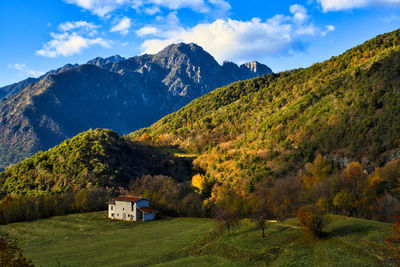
pixel 95 158
pixel 326 136
pixel 346 108
pixel 259 134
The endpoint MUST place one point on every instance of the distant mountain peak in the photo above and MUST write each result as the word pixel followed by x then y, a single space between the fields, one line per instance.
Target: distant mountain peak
pixel 101 62
pixel 186 48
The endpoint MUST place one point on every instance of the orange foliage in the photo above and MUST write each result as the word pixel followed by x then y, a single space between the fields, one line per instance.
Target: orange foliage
pixel 311 221
pixel 146 138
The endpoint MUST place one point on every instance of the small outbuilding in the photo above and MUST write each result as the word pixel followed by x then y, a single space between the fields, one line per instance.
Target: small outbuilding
pixel 130 208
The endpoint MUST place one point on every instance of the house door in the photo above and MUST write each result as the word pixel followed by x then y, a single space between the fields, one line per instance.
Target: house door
pixel 123 216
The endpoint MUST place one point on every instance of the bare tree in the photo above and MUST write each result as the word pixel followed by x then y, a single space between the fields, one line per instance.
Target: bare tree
pixel 226 218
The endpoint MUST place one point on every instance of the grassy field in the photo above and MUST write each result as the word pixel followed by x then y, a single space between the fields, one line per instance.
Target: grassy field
pixel 92 240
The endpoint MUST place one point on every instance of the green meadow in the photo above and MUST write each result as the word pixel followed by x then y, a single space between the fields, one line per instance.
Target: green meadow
pixel 90 239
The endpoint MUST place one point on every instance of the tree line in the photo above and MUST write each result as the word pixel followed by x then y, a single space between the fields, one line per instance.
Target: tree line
pixel 27 208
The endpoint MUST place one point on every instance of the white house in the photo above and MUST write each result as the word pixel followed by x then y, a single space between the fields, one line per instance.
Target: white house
pixel 130 209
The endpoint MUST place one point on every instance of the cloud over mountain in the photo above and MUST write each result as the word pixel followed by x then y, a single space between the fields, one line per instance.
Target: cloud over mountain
pixel 238 40
pixel 72 38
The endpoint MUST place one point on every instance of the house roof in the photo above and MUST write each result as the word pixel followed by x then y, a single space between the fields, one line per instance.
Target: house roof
pixel 127 198
pixel 147 210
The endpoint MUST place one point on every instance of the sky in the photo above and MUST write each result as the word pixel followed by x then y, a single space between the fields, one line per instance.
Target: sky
pixel 40 35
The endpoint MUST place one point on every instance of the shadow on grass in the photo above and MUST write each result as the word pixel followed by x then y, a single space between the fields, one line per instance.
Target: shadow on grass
pixel 351 229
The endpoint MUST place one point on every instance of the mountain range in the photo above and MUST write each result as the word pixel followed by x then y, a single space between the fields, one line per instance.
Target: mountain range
pixel 251 132
pixel 116 93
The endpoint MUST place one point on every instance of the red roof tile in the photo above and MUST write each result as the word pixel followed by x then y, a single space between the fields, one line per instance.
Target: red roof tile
pixel 147 210
pixel 127 198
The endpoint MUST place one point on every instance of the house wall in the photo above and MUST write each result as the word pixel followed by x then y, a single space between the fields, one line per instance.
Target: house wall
pixel 142 203
pixel 111 211
pixel 125 211
pixel 149 216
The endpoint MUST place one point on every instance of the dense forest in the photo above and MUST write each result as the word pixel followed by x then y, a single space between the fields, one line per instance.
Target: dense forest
pixel 326 136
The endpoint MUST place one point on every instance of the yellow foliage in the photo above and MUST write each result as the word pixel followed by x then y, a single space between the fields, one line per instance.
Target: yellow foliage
pixel 198 181
pixel 318 171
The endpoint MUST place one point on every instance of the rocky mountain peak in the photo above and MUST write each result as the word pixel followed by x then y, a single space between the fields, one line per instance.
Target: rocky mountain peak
pixel 102 62
pixel 254 68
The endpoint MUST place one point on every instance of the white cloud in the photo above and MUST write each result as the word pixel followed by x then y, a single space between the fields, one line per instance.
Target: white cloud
pixel 17 66
pixel 67 44
pixel 122 27
pixel 23 68
pixel 84 25
pixel 99 7
pixel 152 10
pixel 221 4
pixel 104 7
pixel 75 37
pixel 328 28
pixel 336 5
pixel 299 13
pixel 241 40
pixel 147 30
pixel 197 5
pixel 35 73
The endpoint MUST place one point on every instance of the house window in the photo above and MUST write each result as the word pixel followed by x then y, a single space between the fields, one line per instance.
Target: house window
pixel 112 207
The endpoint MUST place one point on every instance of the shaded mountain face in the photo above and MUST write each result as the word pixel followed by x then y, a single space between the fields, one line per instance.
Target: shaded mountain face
pixel 9 90
pixel 116 93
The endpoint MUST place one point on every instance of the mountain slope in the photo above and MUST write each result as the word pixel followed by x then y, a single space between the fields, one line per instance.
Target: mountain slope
pixel 116 93
pixel 9 90
pixel 95 158
pixel 346 108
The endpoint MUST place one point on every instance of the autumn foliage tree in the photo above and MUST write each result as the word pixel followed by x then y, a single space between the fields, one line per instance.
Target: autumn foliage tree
pixel 146 138
pixel 354 177
pixel 311 220
pixel 11 254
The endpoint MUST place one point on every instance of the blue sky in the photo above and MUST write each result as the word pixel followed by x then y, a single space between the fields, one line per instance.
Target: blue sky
pixel 40 35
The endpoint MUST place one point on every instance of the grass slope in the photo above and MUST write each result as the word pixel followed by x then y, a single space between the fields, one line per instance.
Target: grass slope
pixel 92 240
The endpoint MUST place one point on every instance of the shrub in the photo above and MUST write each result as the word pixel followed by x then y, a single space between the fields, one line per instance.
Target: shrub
pixel 11 254
pixel 312 221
